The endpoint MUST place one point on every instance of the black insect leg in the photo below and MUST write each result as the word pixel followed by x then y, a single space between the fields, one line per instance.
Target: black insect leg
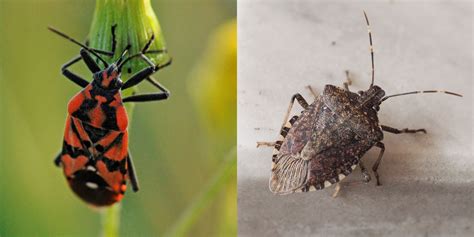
pixel 72 76
pixel 377 162
pixel 162 95
pixel 348 81
pixel 57 160
pixel 398 131
pixel 131 174
pixel 144 73
pixel 91 64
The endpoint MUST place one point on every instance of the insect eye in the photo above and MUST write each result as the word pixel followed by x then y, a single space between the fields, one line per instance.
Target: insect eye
pixel 118 83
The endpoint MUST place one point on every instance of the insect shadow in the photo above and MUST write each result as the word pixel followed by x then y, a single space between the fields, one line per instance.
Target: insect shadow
pixel 327 141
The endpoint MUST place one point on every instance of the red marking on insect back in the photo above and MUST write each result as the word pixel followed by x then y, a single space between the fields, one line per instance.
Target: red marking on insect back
pixel 69 136
pixel 96 116
pixel 122 118
pixel 114 179
pixel 119 151
pixel 108 139
pixel 107 79
pixel 76 102
pixel 71 165
pixel 80 129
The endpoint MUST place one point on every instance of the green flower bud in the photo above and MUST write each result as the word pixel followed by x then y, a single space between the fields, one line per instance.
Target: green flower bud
pixel 135 23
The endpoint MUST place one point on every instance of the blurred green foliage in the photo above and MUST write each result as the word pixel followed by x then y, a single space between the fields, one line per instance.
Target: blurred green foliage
pixel 175 156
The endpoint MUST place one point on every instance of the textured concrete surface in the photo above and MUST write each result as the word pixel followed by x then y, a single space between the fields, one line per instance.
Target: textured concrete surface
pixel 428 180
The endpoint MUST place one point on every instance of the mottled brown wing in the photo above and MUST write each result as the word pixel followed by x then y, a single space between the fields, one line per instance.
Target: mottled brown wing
pixel 302 129
pixel 318 125
pixel 289 170
pixel 288 174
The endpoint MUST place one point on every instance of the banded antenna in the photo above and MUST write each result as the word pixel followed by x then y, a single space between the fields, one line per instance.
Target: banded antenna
pixel 420 92
pixel 371 48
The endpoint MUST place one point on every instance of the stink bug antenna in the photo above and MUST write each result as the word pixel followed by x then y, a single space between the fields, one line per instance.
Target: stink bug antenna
pixel 371 48
pixel 92 51
pixel 420 92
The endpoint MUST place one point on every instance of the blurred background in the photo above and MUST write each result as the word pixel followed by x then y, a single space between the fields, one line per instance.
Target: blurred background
pixel 183 148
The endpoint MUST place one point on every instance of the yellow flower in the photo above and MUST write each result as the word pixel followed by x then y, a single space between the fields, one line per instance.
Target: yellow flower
pixel 213 83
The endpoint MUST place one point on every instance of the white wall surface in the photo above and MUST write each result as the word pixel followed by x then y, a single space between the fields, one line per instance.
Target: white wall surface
pixel 427 180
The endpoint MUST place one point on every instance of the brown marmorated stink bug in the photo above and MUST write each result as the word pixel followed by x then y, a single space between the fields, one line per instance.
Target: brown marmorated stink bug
pixel 322 145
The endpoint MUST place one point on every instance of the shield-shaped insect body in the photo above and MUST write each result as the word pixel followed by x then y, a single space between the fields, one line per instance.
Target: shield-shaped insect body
pixel 326 142
pixel 94 156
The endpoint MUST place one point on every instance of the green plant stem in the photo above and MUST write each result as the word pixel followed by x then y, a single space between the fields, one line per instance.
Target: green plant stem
pixel 135 23
pixel 111 221
pixel 216 184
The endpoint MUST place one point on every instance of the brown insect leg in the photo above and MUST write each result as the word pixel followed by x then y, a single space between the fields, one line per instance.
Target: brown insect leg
pixel 283 129
pixel 364 172
pixel 366 179
pixel 377 162
pixel 272 144
pixel 315 95
pixel 300 100
pixel 348 81
pixel 337 188
pixel 405 130
pixel 283 132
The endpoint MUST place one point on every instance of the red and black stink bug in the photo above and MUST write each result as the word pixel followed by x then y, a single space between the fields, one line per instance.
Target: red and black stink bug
pixel 322 145
pixel 94 156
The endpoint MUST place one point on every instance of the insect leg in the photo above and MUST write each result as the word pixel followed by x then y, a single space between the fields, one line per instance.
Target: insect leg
pixel 300 100
pixel 271 144
pixel 285 127
pixel 377 162
pixel 131 174
pixel 91 64
pixel 162 95
pixel 364 172
pixel 144 74
pixel 283 132
pixel 72 76
pixel 348 81
pixel 312 91
pixel 57 160
pixel 366 179
pixel 398 131
pixel 337 189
